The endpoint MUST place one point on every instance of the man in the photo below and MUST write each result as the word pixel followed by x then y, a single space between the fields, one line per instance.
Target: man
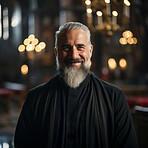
pixel 75 109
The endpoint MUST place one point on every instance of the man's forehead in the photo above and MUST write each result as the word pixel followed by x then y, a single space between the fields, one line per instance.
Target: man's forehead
pixel 78 34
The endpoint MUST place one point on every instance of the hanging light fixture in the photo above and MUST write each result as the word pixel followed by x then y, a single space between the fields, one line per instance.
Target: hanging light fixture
pixel 107 13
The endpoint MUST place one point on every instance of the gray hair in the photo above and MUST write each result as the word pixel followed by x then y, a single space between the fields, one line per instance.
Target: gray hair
pixel 71 26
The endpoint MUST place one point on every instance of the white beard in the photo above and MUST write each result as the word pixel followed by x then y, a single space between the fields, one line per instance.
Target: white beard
pixel 73 76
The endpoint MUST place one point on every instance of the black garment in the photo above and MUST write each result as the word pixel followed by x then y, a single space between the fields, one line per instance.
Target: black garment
pixel 94 115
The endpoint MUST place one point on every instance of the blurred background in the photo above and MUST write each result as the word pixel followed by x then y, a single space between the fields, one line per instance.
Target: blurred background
pixel 120 37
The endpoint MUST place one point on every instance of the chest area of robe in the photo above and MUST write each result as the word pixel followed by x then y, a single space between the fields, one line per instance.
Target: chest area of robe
pixel 75 118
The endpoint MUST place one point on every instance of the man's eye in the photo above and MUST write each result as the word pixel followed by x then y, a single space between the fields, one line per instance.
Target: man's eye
pixel 65 48
pixel 81 47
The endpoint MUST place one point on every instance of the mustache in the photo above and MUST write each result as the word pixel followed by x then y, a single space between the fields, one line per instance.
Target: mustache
pixel 78 60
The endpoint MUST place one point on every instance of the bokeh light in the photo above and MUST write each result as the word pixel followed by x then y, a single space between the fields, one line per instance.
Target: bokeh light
pixel 112 63
pixel 89 10
pixel 38 48
pixel 99 13
pixel 21 48
pixel 35 41
pixel 107 1
pixel 115 13
pixel 87 2
pixel 127 34
pixel 130 40
pixel 127 3
pixel 30 47
pixel 24 69
pixel 135 40
pixel 26 42
pixel 122 63
pixel 31 37
pixel 123 41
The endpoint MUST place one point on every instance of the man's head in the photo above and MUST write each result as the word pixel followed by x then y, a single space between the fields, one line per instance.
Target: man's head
pixel 73 51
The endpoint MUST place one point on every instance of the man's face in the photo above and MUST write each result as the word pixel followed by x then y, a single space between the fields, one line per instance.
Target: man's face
pixel 73 48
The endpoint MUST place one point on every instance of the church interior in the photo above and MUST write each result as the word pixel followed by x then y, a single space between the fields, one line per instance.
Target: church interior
pixel 119 34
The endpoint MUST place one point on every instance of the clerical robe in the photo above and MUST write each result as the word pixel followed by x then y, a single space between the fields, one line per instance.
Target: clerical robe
pixel 93 115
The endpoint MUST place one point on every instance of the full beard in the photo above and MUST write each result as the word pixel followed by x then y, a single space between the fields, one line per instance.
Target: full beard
pixel 73 76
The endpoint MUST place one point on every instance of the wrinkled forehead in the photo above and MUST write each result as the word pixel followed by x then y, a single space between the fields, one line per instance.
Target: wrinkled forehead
pixel 79 35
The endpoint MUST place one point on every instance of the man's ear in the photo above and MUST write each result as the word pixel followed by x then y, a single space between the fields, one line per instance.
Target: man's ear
pixel 91 50
pixel 55 51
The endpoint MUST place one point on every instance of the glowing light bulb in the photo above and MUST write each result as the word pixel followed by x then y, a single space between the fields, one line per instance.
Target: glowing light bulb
pixel 130 40
pixel 123 41
pixel 24 69
pixel 26 41
pixel 87 2
pixel 112 63
pixel 107 1
pixel 38 48
pixel 31 37
pixel 42 45
pixel 21 48
pixel 135 40
pixel 30 47
pixel 127 3
pixel 89 10
pixel 99 13
pixel 35 41
pixel 115 13
pixel 122 63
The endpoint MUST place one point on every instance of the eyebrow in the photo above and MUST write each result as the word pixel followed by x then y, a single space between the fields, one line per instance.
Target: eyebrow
pixel 68 45
pixel 80 45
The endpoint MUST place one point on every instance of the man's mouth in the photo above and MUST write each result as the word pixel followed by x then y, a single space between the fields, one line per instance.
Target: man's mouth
pixel 73 61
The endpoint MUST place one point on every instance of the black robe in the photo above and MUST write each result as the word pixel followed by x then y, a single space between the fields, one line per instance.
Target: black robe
pixel 94 115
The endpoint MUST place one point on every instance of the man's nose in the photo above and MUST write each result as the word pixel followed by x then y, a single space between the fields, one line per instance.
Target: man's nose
pixel 74 52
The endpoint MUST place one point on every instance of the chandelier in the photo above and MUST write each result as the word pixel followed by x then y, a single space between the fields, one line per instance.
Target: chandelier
pixel 108 16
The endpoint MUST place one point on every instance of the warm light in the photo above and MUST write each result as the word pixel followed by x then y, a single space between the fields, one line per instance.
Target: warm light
pixel 108 27
pixel 87 2
pixel 112 63
pixel 107 1
pixel 134 40
pixel 31 37
pixel 130 40
pixel 30 47
pixel 122 63
pixel 26 42
pixel 130 34
pixel 127 34
pixel 99 13
pixel 24 69
pixel 42 45
pixel 35 41
pixel 89 10
pixel 123 41
pixel 38 48
pixel 127 3
pixel 115 13
pixel 21 48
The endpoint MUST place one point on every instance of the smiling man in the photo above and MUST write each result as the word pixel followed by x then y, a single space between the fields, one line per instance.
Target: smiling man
pixel 75 109
pixel 73 56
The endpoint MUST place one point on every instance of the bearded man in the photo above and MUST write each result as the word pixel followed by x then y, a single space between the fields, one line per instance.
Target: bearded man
pixel 75 109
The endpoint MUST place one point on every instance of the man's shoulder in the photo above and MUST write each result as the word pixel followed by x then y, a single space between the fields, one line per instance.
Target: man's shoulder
pixel 104 84
pixel 50 84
